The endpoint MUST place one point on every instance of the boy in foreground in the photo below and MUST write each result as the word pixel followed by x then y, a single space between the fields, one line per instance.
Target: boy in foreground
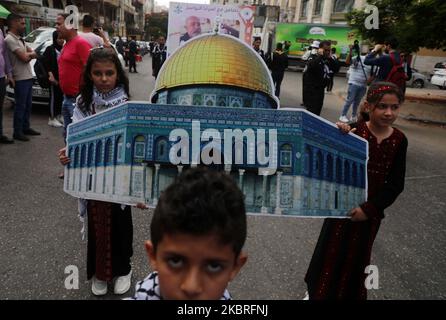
pixel 197 234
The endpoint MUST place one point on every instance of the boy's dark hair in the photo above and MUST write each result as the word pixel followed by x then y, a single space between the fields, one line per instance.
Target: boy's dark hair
pixel 279 46
pixel 100 55
pixel 87 21
pixel 201 202
pixel 11 18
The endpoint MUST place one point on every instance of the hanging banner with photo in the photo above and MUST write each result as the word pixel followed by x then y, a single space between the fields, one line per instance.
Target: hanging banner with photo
pixel 188 20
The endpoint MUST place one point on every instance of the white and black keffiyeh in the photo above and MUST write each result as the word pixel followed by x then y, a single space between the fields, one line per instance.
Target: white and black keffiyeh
pixel 148 289
pixel 100 102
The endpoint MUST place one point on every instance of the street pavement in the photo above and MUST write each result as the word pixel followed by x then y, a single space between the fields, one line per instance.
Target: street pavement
pixel 40 232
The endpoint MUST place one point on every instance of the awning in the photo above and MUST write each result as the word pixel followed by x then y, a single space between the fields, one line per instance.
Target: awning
pixel 4 13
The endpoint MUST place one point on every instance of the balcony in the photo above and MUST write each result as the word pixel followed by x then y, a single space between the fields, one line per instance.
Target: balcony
pixel 114 3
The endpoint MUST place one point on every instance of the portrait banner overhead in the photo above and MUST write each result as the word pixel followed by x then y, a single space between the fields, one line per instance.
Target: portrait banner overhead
pixel 188 20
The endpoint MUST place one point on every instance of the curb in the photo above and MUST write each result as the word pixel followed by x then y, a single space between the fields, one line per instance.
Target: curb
pixel 428 99
pixel 411 117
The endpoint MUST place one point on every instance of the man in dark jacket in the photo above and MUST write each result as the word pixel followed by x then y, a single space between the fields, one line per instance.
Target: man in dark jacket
pixel 159 56
pixel 133 50
pixel 316 77
pixel 380 57
pixel 120 46
pixel 278 65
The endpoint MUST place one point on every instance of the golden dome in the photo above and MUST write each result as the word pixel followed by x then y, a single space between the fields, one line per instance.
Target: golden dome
pixel 215 59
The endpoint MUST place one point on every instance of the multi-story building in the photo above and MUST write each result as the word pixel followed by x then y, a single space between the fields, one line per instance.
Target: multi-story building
pixel 235 2
pixel 316 11
pixel 116 16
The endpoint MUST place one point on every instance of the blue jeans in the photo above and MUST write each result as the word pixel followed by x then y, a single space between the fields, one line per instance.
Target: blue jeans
pixel 23 95
pixel 354 96
pixel 67 112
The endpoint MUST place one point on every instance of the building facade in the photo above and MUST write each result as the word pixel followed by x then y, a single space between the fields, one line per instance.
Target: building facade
pixel 305 166
pixel 316 11
pixel 116 16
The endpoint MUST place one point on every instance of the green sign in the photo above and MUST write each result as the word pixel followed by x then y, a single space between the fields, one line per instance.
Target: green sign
pixel 302 36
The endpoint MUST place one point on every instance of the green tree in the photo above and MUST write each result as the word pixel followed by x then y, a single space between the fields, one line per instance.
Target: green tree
pixel 156 25
pixel 415 23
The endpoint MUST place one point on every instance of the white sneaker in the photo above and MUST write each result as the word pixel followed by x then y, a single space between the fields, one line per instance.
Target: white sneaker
pixel 54 123
pixel 354 119
pixel 307 296
pixel 60 118
pixel 122 284
pixel 343 119
pixel 98 287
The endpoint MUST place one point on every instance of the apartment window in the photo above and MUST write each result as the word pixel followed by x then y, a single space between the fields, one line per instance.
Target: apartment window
pixel 343 5
pixel 57 4
pixel 303 12
pixel 318 7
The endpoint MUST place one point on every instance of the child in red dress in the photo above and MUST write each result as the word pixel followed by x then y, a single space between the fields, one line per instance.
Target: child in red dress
pixel 342 253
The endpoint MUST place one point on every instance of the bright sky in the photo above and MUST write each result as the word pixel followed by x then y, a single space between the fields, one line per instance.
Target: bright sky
pixel 166 2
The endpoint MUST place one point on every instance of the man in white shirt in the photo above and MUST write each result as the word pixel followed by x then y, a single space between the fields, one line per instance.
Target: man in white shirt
pixel 88 33
pixel 20 56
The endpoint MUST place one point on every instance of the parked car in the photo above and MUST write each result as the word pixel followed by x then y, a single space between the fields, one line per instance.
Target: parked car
pixel 439 79
pixel 418 80
pixel 41 35
pixel 438 67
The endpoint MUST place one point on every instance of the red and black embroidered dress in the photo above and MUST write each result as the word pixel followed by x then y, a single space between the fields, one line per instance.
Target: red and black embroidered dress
pixel 343 250
pixel 110 240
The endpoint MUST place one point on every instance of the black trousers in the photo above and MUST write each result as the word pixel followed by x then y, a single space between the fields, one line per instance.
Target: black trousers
pixel 132 62
pixel 330 83
pixel 314 99
pixel 56 98
pixel 277 79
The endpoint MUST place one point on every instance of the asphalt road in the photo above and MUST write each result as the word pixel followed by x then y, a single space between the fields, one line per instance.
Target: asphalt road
pixel 40 231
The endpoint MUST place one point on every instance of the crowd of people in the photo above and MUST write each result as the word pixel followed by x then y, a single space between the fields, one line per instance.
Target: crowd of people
pixel 199 226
